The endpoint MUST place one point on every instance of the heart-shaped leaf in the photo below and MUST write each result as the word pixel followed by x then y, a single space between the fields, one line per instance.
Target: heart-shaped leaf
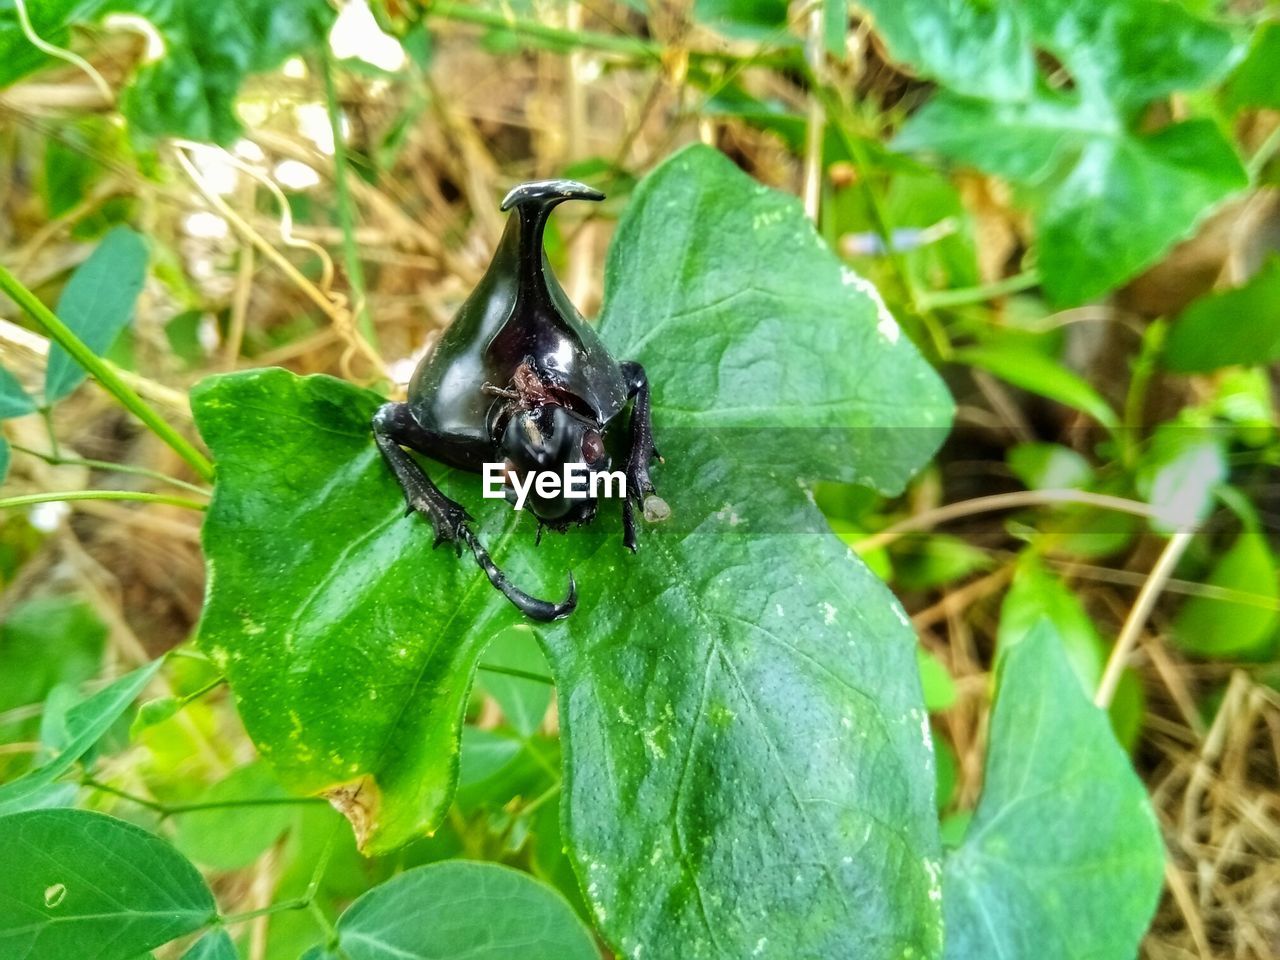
pixel 1027 881
pixel 735 679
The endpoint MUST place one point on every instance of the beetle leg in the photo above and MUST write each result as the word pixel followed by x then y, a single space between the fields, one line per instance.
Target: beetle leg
pixel 642 451
pixel 393 426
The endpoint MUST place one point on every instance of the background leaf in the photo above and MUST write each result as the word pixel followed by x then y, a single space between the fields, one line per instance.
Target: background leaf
pixel 214 945
pixel 481 911
pixel 14 401
pixel 228 838
pixel 1080 153
pixel 86 723
pixel 134 892
pixel 210 49
pixel 1027 881
pixel 1039 374
pixel 97 303
pixel 1238 326
pixel 1222 627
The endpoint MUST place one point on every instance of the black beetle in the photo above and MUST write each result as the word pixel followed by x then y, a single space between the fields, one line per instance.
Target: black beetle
pixel 520 378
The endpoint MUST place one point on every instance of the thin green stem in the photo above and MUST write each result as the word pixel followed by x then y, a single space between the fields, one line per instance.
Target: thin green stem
pixel 296 903
pixel 560 38
pixel 1264 154
pixel 66 495
pixel 1135 400
pixel 980 294
pixel 177 809
pixel 346 207
pixel 102 372
pixel 550 793
pixel 56 459
pixel 46 414
pixel 519 674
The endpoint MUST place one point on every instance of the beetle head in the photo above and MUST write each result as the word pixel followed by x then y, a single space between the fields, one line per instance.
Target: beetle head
pixel 547 438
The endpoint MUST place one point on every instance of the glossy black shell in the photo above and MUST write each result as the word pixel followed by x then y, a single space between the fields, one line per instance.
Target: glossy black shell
pixel 518 313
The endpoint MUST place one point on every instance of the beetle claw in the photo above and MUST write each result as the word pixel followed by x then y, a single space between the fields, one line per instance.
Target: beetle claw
pixel 530 606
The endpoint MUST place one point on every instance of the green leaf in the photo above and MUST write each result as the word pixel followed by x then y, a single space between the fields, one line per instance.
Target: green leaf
pixel 935 678
pixel 1037 595
pixel 481 911
pixel 1049 466
pixel 981 49
pixel 716 685
pixel 1254 82
pixel 97 303
pixel 524 702
pixel 4 459
pixel 1033 371
pixel 751 19
pixel 936 560
pixel 1181 470
pixel 51 21
pixel 86 722
pixel 45 643
pixel 14 401
pixel 228 838
pixel 210 50
pixel 1063 858
pixel 1086 163
pixel 80 884
pixel 1238 326
pixel 214 945
pixel 1221 627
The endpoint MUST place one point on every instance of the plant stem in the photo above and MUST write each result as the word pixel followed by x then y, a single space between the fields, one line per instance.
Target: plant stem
pixel 558 37
pixel 999 501
pixel 103 373
pixel 987 291
pixel 1128 639
pixel 67 495
pixel 346 216
pixel 1144 366
pixel 174 809
pixel 519 674
pixel 56 459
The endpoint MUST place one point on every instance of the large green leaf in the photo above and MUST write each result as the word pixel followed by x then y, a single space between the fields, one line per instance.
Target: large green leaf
pixel 733 679
pixel 1109 198
pixel 481 911
pixel 86 723
pixel 89 886
pixel 97 303
pixel 1237 326
pixel 1063 858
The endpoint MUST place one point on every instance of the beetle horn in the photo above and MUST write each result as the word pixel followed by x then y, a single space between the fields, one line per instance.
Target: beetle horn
pixel 547 193
pixel 531 607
